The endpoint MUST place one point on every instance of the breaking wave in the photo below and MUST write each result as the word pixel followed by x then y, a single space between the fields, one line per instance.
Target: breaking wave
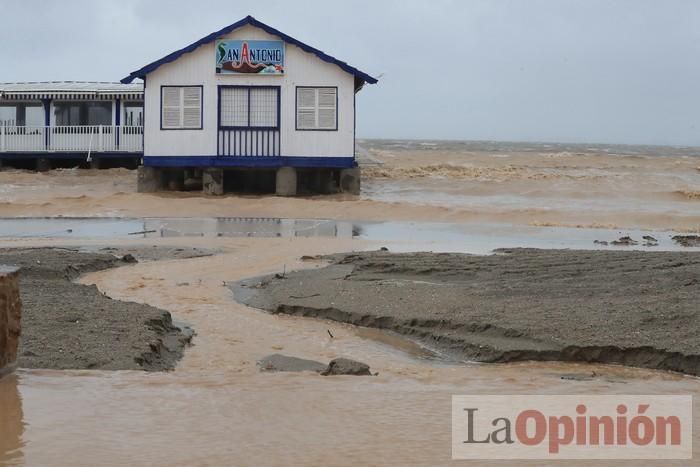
pixel 689 194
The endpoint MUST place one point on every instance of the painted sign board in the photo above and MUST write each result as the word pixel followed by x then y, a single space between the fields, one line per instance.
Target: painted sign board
pixel 241 56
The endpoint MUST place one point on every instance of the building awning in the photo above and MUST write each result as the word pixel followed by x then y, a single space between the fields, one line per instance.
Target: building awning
pixel 71 90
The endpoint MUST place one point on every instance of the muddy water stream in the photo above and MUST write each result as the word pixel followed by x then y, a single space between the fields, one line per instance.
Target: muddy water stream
pixel 217 409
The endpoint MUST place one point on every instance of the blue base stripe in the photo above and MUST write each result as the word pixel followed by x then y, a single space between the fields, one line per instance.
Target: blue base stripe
pixel 247 161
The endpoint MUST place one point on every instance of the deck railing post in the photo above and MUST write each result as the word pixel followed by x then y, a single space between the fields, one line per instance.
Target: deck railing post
pixel 2 138
pixel 102 142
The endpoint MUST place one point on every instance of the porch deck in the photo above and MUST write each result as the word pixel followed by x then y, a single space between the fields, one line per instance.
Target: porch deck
pixel 62 140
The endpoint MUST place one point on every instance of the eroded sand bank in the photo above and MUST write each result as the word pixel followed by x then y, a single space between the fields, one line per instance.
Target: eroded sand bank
pixel 66 325
pixel 631 308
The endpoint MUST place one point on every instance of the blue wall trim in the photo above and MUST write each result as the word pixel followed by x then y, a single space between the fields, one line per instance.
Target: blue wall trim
pixel 250 161
pixel 359 75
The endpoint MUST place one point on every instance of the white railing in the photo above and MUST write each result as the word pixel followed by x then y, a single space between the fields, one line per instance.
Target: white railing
pixel 131 138
pixel 83 138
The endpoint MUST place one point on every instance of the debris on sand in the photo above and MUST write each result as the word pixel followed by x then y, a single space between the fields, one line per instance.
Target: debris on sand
pixel 650 241
pixel 129 258
pixel 624 241
pixel 600 242
pixel 687 240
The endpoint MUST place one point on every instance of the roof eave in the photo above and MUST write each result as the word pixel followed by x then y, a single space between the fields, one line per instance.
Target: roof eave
pixel 142 72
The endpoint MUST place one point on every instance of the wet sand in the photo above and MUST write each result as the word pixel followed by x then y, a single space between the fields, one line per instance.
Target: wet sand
pixel 217 408
pixel 66 325
pixel 631 308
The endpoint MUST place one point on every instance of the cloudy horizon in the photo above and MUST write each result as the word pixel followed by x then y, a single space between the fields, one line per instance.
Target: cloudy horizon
pixel 594 71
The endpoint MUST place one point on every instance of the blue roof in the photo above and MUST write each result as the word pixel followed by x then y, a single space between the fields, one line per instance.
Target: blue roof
pixel 360 77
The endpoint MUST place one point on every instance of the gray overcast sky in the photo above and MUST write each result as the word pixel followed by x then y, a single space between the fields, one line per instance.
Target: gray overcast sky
pixel 611 71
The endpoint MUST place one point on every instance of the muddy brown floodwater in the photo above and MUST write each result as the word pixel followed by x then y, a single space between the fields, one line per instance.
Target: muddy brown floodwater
pixel 217 408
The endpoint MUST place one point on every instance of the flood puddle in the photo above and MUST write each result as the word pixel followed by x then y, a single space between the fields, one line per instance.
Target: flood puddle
pixel 473 238
pixel 154 227
pixel 484 238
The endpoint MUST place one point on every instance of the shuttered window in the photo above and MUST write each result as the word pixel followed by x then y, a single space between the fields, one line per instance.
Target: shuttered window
pixel 181 107
pixel 249 107
pixel 317 108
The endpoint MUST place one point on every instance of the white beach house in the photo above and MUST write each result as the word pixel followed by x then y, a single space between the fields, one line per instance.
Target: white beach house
pixel 249 106
pixel 44 123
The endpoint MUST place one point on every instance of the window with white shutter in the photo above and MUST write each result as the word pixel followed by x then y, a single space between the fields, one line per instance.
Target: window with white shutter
pixel 317 108
pixel 181 107
pixel 249 107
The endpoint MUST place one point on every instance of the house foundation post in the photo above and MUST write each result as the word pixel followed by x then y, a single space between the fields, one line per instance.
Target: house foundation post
pixel 148 179
pixel 286 183
pixel 43 164
pixel 350 181
pixel 213 182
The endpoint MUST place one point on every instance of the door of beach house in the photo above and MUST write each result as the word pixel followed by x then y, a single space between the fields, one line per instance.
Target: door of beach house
pixel 133 115
pixel 249 121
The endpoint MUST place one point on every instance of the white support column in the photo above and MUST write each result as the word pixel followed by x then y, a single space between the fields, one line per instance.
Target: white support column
pixel 2 138
pixel 102 141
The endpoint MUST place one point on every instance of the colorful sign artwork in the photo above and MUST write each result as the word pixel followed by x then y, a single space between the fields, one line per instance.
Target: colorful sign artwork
pixel 262 57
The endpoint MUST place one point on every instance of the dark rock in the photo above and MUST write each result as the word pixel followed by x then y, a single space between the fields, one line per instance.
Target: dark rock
pixel 624 241
pixel 649 238
pixel 344 366
pixel 600 242
pixel 129 258
pixel 310 258
pixel 278 362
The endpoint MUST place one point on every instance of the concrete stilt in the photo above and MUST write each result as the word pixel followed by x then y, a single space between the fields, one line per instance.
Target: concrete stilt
pixel 213 182
pixel 286 183
pixel 176 179
pixel 148 179
pixel 350 181
pixel 43 164
pixel 328 184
